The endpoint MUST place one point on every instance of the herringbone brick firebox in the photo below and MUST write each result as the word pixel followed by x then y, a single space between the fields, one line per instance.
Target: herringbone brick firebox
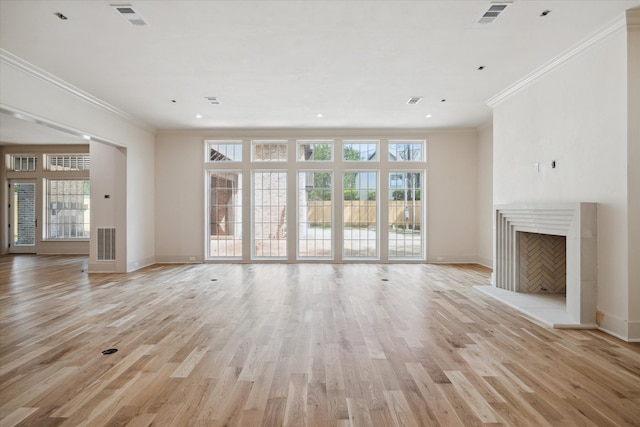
pixel 543 263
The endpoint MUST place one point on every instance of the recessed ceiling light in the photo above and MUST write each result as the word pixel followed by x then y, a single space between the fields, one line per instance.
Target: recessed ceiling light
pixel 320 115
pixel 198 116
pixel 428 116
pixel 87 137
pixel 545 12
pixel 480 68
pixel 443 100
pixel 61 16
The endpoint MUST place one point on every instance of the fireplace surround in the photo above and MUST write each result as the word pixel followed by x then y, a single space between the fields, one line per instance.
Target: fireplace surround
pixel 577 222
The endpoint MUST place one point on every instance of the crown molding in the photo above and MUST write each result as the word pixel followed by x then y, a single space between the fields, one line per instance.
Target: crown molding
pixel 612 28
pixel 28 68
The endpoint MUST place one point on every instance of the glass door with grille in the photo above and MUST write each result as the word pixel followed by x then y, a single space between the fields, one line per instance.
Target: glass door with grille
pixel 23 223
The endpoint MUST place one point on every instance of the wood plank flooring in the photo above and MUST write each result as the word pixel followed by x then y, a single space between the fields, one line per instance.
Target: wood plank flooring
pixel 305 345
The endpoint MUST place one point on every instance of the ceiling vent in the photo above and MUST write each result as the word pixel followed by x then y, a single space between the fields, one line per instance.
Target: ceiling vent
pixel 213 100
pixel 127 12
pixel 492 13
pixel 414 100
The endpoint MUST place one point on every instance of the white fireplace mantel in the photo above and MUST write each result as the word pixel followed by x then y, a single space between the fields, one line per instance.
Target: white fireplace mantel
pixel 578 223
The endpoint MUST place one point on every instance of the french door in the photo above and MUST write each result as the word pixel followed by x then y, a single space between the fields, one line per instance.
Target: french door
pixel 315 200
pixel 23 223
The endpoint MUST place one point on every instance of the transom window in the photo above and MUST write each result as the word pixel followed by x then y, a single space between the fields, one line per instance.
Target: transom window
pixel 315 151
pixel 24 163
pixel 405 151
pixel 224 151
pixel 68 162
pixel 360 151
pixel 270 151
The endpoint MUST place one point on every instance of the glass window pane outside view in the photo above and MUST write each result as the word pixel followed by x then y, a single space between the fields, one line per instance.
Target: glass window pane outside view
pixel 315 151
pixel 68 203
pixel 405 151
pixel 68 162
pixel 360 214
pixel 270 214
pixel 24 202
pixel 273 151
pixel 360 151
pixel 225 214
pixel 224 151
pixel 315 214
pixel 24 163
pixel 405 214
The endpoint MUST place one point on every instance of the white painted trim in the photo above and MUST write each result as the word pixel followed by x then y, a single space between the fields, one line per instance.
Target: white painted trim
pixel 633 21
pixel 612 28
pixel 28 68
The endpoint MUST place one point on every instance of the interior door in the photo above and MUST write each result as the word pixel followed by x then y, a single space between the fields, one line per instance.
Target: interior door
pixel 23 223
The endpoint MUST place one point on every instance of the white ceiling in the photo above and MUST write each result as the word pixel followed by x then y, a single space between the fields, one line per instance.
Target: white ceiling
pixel 281 63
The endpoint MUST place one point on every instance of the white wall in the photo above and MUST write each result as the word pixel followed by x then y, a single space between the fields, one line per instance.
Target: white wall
pixel 633 166
pixel 484 185
pixel 451 190
pixel 32 92
pixel 108 201
pixel 576 115
pixel 179 197
pixel 452 197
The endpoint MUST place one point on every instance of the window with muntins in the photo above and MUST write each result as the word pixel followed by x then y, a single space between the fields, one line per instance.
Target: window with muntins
pixel 67 207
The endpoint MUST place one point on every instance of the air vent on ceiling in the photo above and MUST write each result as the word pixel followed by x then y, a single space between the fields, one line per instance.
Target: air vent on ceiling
pixel 492 13
pixel 414 100
pixel 127 12
pixel 213 100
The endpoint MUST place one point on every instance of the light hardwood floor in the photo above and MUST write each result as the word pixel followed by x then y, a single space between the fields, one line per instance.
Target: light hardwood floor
pixel 308 344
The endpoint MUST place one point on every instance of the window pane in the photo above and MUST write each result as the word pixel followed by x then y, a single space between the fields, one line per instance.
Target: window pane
pixel 318 151
pixel 314 214
pixel 360 214
pixel 67 209
pixel 405 151
pixel 405 215
pixel 23 163
pixel 68 162
pixel 272 151
pixel 225 214
pixel 360 151
pixel 24 202
pixel 270 214
pixel 224 151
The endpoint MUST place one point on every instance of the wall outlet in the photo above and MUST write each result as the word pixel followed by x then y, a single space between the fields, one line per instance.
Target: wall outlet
pixel 192 258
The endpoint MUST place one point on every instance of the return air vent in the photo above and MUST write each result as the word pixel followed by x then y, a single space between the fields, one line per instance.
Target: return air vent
pixel 414 100
pixel 127 12
pixel 106 244
pixel 492 13
pixel 213 100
